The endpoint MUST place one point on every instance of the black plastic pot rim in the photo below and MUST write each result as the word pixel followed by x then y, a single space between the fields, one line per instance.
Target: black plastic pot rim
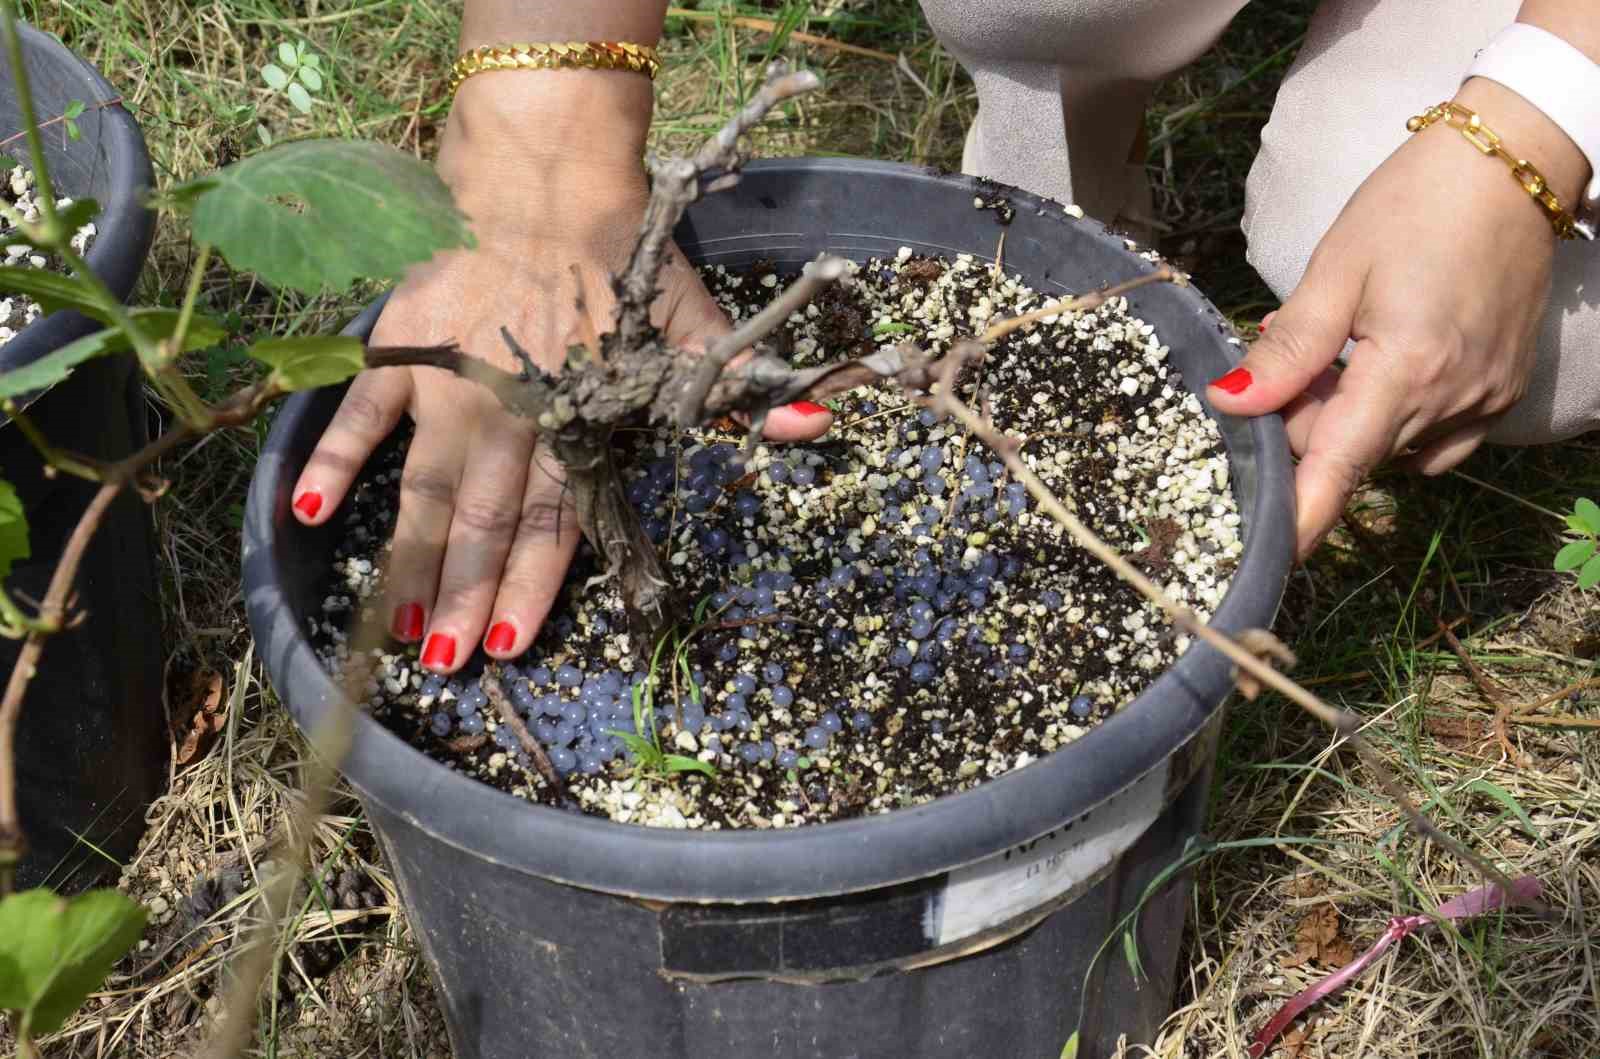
pixel 792 863
pixel 124 225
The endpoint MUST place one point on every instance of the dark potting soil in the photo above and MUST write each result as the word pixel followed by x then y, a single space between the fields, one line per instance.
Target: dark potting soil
pixel 868 621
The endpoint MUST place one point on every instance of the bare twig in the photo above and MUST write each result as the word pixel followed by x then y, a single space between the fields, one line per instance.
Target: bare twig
pixel 676 186
pixel 819 274
pixel 1502 706
pixel 1081 303
pixel 59 118
pixel 1347 725
pixel 490 682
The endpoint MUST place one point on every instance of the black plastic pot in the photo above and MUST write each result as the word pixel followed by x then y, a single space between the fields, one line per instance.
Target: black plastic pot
pixel 92 747
pixel 958 928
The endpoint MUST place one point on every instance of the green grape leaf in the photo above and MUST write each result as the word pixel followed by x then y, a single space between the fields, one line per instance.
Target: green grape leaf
pixel 310 77
pixel 1588 513
pixel 274 76
pixel 1574 555
pixel 55 951
pixel 299 97
pixel 321 214
pixel 58 364
pixel 312 361
pixel 1589 576
pixel 13 528
pixel 52 290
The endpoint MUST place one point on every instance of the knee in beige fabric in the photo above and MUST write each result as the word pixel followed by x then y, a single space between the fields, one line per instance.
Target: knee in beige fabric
pixel 1366 66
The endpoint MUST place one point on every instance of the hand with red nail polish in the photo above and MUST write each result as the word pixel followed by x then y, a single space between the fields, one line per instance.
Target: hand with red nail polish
pixel 1438 269
pixel 485 527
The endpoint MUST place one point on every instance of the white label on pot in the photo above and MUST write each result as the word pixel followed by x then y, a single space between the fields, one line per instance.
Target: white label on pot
pixel 1009 884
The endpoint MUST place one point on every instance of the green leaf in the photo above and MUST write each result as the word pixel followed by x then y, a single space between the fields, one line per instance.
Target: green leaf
pixel 1507 799
pixel 679 763
pixel 58 364
pixel 263 134
pixel 310 58
pixel 55 951
pixel 324 213
pixel 1589 576
pixel 287 55
pixel 309 76
pixel 13 529
pixel 52 290
pixel 300 98
pixel 312 361
pixel 1574 555
pixel 1070 1049
pixel 890 327
pixel 1130 952
pixel 74 109
pixel 275 78
pixel 1575 524
pixel 1588 513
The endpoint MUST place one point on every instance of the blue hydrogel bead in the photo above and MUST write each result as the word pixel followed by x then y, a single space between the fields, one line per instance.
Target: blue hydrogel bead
pixel 803 475
pixel 563 759
pixel 921 673
pixel 773 672
pixel 1081 707
pixel 545 731
pixel 900 657
pixel 830 722
pixel 816 737
pixel 782 696
pixel 750 752
pixel 440 724
pixel 788 758
pixel 471 725
pixel 569 676
pixel 861 721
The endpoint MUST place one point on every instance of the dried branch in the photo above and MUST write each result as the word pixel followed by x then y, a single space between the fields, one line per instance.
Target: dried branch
pixel 820 273
pixel 1081 303
pixel 676 186
pixel 1249 663
pixel 490 682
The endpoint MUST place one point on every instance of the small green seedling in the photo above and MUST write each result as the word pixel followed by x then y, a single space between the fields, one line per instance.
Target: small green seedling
pixel 297 75
pixel 890 327
pixel 70 116
pixel 1583 553
pixel 644 742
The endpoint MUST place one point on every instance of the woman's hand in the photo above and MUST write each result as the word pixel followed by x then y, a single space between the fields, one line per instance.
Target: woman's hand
pixel 484 531
pixel 1439 269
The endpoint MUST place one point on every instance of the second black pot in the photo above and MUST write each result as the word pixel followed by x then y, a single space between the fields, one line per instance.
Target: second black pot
pixel 957 928
pixel 92 743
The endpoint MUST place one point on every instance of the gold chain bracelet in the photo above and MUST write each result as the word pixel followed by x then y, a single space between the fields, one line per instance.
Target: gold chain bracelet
pixel 1524 172
pixel 573 55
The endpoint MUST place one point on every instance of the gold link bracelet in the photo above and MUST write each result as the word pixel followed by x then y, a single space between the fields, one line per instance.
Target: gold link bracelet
pixel 573 55
pixel 1524 172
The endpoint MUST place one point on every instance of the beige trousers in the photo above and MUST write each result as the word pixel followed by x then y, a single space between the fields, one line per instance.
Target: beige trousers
pixel 1062 84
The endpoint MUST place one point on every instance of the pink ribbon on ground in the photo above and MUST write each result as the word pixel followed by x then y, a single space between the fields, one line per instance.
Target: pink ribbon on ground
pixel 1470 904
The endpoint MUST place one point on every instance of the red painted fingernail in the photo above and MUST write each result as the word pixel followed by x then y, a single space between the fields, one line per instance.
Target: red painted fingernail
pixel 1262 327
pixel 408 622
pixel 308 503
pixel 808 408
pixel 440 651
pixel 1236 381
pixel 502 634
